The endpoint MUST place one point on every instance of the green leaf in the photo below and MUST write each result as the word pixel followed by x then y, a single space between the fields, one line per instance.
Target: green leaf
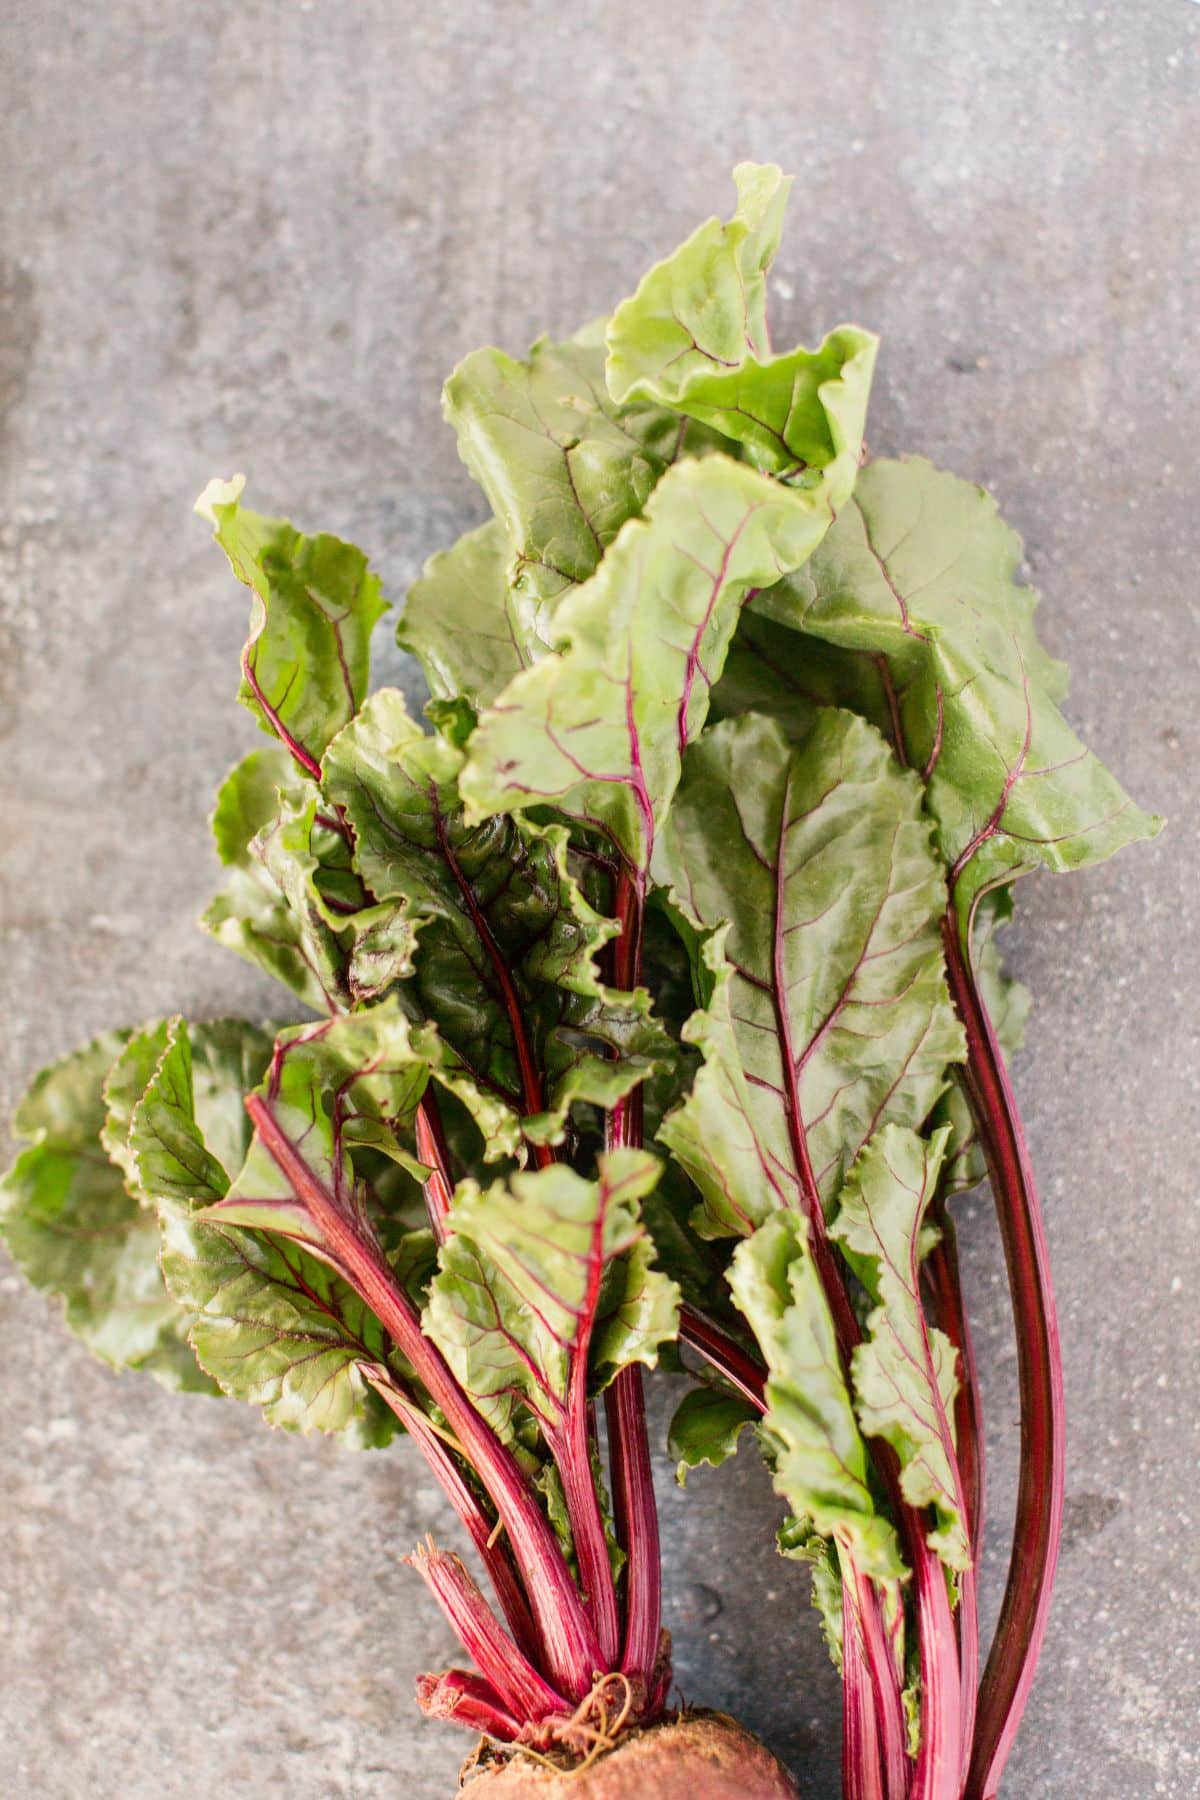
pixel 694 337
pixel 820 1461
pixel 561 464
pixel 542 1270
pixel 599 729
pixel 920 569
pixel 706 1428
pixel 797 1540
pixel 792 678
pixel 75 1231
pixel 293 904
pixel 275 1325
pixel 827 1012
pixel 506 963
pixel 306 664
pixel 471 631
pixel 905 1377
pixel 277 1328
pixel 167 1153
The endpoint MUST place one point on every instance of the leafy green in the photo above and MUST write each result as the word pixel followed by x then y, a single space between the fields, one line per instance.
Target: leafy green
pixel 706 1427
pixel 600 728
pixel 506 965
pixel 827 1012
pixel 694 336
pixel 306 663
pixel 920 569
pixel 75 1231
pixel 820 1461
pixel 541 1270
pixel 905 1374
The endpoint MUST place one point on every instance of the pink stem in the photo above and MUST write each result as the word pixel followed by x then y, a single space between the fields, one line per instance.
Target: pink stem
pixel 520 1688
pixel 1010 1668
pixel 569 1644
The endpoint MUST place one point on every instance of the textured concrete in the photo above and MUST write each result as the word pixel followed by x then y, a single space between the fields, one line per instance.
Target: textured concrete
pixel 257 236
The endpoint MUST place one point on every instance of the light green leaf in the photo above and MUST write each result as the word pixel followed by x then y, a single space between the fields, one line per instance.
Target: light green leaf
pixel 792 678
pixel 905 1377
pixel 920 569
pixel 471 631
pixel 820 1461
pixel 694 337
pixel 75 1231
pixel 827 1010
pixel 538 1272
pixel 706 1428
pixel 561 464
pixel 306 664
pixel 600 728
pixel 506 965
pixel 797 1540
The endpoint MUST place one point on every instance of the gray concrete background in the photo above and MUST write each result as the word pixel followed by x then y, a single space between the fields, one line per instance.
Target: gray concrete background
pixel 257 237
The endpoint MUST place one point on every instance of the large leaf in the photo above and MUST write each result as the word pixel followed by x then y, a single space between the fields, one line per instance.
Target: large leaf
pixel 905 1377
pixel 306 663
pixel 828 1012
pixel 506 965
pixel 694 337
pixel 76 1231
pixel 542 1271
pixel 600 728
pixel 820 1461
pixel 920 569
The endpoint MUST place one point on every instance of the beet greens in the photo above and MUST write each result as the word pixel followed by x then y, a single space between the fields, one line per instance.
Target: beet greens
pixel 658 1011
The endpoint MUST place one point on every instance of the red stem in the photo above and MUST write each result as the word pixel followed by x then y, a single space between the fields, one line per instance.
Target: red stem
pixel 520 1687
pixel 569 1645
pixel 724 1354
pixel 470 1701
pixel 634 1507
pixel 493 1551
pixel 434 1153
pixel 1010 1669
pixel 937 1775
pixel 862 1771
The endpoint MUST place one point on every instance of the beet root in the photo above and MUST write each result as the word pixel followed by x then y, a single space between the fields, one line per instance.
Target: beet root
pixel 701 1756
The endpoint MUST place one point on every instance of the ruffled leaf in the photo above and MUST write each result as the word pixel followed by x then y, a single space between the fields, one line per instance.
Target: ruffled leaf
pixel 506 966
pixel 920 570
pixel 707 1425
pixel 820 1461
pixel 306 664
pixel 694 336
pixel 72 1224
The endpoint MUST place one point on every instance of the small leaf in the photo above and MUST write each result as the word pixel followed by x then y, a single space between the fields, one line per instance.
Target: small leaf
pixel 75 1231
pixel 905 1376
pixel 797 1540
pixel 470 631
pixel 820 1461
pixel 306 663
pixel 706 1428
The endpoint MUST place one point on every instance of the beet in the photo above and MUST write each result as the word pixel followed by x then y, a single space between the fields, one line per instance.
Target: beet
pixel 702 1756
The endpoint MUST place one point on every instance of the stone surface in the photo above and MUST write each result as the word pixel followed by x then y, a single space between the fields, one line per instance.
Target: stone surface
pixel 255 236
